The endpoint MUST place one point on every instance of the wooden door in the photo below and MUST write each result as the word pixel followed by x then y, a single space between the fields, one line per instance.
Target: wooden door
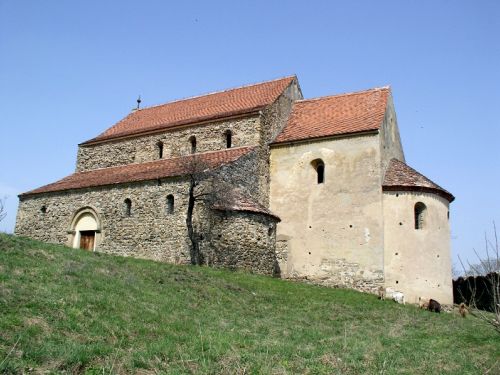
pixel 87 238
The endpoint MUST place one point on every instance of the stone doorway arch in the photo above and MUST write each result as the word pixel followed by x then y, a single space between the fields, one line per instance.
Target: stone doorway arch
pixel 85 232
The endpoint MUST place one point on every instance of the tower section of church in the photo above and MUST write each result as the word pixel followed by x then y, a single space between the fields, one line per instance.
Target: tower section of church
pixel 326 174
pixel 350 216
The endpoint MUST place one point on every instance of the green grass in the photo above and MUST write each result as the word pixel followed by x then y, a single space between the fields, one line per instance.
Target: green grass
pixel 70 311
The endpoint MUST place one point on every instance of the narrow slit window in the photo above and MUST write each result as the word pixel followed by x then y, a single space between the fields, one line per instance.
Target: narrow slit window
pixel 192 140
pixel 128 207
pixel 420 211
pixel 229 138
pixel 160 150
pixel 321 173
pixel 170 204
pixel 319 167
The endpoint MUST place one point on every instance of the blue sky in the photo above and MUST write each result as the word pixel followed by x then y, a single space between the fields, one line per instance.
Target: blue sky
pixel 69 70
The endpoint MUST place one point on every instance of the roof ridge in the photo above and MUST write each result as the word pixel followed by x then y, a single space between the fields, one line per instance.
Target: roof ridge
pixel 381 88
pixel 213 93
pixel 165 159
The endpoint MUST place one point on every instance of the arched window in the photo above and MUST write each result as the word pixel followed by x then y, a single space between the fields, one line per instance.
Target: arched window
pixel 43 209
pixel 420 211
pixel 319 167
pixel 160 150
pixel 229 140
pixel 170 204
pixel 192 140
pixel 128 207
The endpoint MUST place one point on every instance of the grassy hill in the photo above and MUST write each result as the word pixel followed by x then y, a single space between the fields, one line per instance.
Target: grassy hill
pixel 70 311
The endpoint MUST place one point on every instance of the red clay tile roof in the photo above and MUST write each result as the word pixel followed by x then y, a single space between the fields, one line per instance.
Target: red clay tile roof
pixel 142 171
pixel 237 200
pixel 335 115
pixel 399 176
pixel 238 101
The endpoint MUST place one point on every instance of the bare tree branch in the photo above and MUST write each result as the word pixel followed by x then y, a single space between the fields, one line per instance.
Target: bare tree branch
pixel 207 187
pixel 482 281
pixel 3 212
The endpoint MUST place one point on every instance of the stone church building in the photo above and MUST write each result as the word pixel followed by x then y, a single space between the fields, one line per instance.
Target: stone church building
pixel 311 188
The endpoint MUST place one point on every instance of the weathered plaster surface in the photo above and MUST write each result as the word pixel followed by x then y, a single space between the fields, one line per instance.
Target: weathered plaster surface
pixel 417 261
pixel 390 141
pixel 333 231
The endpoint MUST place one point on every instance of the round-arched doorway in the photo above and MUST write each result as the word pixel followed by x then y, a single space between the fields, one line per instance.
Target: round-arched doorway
pixel 85 229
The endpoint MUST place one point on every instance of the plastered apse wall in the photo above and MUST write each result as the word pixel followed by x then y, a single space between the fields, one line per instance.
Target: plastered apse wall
pixel 417 261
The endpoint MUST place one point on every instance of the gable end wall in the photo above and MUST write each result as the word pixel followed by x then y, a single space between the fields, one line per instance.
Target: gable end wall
pixel 331 233
pixel 390 140
pixel 274 119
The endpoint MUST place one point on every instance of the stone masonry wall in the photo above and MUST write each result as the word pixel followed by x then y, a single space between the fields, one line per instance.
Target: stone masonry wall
pixel 237 239
pixel 342 273
pixel 276 115
pixel 274 119
pixel 150 232
pixel 256 130
pixel 209 137
pixel 244 174
pixel 244 241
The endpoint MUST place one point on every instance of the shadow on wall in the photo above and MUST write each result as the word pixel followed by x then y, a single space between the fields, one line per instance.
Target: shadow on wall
pixel 476 290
